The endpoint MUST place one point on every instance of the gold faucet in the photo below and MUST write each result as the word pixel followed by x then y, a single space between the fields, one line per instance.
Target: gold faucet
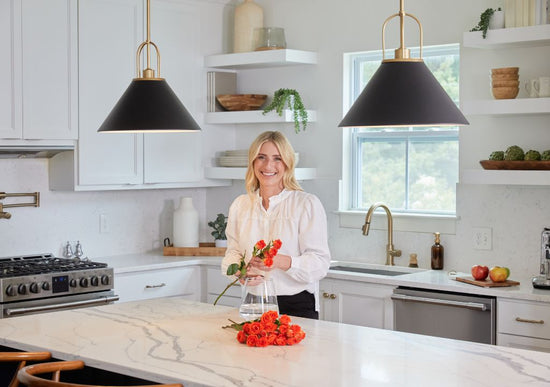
pixel 390 252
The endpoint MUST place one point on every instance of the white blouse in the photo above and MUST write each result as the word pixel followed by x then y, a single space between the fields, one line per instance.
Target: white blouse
pixel 299 220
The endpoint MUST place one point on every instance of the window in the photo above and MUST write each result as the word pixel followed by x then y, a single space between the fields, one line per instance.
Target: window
pixel 412 170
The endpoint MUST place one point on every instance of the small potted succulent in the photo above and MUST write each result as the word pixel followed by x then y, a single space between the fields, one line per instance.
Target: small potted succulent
pixel 289 98
pixel 219 224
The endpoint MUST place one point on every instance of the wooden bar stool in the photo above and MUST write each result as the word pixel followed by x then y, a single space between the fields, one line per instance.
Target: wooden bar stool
pixel 27 376
pixel 22 358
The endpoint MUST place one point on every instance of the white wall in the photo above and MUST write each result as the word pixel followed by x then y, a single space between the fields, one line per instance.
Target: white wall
pixel 140 219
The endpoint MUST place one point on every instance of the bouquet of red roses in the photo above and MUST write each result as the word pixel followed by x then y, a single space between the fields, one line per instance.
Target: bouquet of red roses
pixel 270 329
pixel 265 251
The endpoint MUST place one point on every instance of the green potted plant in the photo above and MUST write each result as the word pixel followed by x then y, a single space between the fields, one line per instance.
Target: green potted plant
pixel 484 21
pixel 219 224
pixel 290 99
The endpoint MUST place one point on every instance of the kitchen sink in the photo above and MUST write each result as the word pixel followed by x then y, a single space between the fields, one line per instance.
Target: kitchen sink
pixel 367 270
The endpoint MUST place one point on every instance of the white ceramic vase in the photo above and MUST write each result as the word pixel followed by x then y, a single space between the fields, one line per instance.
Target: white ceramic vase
pixel 249 18
pixel 497 20
pixel 186 224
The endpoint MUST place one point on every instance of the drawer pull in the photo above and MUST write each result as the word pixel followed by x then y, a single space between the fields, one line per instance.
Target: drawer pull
pixel 155 286
pixel 519 319
pixel 329 295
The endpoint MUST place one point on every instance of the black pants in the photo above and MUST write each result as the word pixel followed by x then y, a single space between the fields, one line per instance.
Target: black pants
pixel 298 305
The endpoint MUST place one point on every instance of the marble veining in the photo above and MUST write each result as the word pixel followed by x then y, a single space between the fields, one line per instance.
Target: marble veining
pixel 175 340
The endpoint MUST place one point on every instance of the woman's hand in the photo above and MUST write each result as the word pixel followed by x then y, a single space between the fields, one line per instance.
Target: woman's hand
pixel 280 261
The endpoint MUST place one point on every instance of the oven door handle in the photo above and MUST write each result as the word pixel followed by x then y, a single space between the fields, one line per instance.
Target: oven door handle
pixel 461 304
pixel 73 304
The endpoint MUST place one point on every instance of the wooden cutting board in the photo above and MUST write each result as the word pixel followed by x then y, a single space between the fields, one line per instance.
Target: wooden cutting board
pixel 204 249
pixel 487 283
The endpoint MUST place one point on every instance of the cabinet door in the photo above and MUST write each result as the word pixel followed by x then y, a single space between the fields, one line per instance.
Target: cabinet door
pixel 357 303
pixel 181 281
pixel 10 69
pixel 176 157
pixel 216 283
pixel 49 51
pixel 109 34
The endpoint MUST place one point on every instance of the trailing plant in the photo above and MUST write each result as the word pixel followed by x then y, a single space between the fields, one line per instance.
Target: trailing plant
pixel 484 20
pixel 219 225
pixel 292 100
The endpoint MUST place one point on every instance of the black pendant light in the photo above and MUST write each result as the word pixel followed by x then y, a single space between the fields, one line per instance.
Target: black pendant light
pixel 403 92
pixel 148 105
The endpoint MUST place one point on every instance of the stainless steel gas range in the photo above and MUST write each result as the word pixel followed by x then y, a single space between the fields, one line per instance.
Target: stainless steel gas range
pixel 42 282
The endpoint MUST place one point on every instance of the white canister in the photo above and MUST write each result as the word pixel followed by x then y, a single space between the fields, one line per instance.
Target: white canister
pixel 186 224
pixel 249 17
pixel 544 87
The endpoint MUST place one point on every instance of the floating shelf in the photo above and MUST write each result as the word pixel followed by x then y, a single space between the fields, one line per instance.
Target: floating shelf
pixel 507 106
pixel 500 177
pixel 253 117
pixel 261 59
pixel 533 36
pixel 239 173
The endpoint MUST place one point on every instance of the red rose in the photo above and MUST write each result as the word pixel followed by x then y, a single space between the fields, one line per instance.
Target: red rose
pixel 284 319
pixel 262 342
pixel 277 244
pixel 241 337
pixel 260 244
pixel 251 340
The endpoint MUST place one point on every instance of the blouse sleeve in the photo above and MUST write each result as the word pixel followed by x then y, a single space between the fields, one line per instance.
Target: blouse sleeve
pixel 232 253
pixel 314 260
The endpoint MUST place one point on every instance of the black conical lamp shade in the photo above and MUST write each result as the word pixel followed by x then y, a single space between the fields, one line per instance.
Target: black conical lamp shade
pixel 149 105
pixel 403 93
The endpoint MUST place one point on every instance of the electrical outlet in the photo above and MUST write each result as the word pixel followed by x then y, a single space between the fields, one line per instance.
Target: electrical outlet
pixel 482 238
pixel 104 226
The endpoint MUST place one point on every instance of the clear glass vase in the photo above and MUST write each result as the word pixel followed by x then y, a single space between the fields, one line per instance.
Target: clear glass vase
pixel 258 297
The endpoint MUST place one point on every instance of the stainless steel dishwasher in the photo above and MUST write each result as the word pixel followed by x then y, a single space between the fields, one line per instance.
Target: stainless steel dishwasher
pixel 445 314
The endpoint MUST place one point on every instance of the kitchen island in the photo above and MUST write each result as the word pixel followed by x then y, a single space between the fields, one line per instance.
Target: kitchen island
pixel 173 340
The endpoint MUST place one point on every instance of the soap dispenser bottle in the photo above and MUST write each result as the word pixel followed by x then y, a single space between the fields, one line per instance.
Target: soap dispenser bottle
pixel 437 253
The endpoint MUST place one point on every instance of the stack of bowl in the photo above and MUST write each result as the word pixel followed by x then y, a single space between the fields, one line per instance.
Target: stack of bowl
pixel 505 82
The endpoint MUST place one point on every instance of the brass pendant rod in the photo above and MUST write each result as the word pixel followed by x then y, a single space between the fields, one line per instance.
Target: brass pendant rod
pixel 402 53
pixel 148 41
pixel 148 72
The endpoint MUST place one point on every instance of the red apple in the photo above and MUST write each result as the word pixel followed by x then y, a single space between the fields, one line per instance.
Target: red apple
pixel 499 274
pixel 480 272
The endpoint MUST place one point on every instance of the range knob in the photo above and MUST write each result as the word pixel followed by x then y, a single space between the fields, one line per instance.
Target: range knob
pixel 72 283
pixel 11 291
pixel 22 289
pixel 34 288
pixel 45 286
pixel 104 279
pixel 84 282
pixel 94 281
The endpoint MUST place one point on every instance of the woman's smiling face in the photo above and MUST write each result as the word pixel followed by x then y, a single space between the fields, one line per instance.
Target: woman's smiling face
pixel 269 167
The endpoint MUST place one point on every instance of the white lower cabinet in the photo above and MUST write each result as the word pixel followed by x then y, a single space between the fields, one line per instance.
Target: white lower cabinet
pixel 216 283
pixel 523 324
pixel 357 303
pixel 153 283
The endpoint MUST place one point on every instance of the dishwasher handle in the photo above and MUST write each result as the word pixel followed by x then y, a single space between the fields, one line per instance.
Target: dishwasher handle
pixel 437 301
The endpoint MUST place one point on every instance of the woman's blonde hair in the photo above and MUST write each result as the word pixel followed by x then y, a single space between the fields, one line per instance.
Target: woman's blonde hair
pixel 287 154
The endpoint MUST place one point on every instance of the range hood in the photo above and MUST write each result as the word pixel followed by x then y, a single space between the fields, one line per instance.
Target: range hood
pixel 32 151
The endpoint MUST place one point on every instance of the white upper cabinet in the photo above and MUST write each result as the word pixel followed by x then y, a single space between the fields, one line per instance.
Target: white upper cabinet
pixel 110 32
pixel 38 73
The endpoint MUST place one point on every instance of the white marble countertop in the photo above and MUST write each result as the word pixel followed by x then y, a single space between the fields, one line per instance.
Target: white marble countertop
pixel 173 340
pixel 419 278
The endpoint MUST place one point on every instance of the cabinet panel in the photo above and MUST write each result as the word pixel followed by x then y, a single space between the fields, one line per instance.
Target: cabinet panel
pixel 524 318
pixel 176 157
pixel 183 281
pixel 106 67
pixel 216 283
pixel 49 52
pixel 357 303
pixel 10 70
pixel 522 342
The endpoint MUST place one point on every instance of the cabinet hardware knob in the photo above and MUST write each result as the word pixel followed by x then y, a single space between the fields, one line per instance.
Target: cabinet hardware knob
pixel 326 295
pixel 332 296
pixel 519 319
pixel 155 286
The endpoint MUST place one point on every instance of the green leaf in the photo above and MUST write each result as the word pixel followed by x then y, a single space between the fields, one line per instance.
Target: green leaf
pixel 233 268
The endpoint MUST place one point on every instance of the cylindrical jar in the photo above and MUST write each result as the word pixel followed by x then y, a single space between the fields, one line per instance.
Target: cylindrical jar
pixel 249 17
pixel 186 224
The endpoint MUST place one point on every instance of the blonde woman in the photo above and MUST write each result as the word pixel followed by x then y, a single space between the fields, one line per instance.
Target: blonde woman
pixel 276 207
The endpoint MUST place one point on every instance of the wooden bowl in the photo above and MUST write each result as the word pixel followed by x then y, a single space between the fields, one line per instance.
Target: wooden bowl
pixel 506 83
pixel 505 70
pixel 236 102
pixel 505 92
pixel 505 77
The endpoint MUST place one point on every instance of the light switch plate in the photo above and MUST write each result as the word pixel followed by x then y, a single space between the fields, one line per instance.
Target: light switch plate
pixel 482 238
